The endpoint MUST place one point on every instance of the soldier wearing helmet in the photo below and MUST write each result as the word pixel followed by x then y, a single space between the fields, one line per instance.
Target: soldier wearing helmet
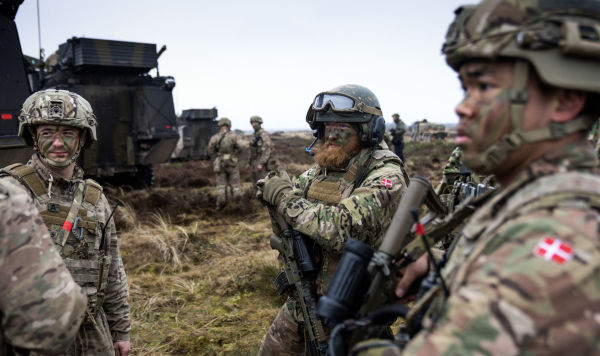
pixel 398 136
pixel 59 124
pixel 261 149
pixel 224 148
pixel 523 276
pixel 351 192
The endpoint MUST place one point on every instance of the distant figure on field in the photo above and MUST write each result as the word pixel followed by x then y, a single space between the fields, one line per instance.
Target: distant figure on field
pixel 398 136
pixel 224 148
pixel 261 149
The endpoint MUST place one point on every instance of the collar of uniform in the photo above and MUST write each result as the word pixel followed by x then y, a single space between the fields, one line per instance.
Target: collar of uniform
pixel 577 156
pixel 45 172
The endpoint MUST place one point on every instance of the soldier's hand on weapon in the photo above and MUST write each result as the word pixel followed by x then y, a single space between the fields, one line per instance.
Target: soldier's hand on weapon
pixel 410 274
pixel 273 187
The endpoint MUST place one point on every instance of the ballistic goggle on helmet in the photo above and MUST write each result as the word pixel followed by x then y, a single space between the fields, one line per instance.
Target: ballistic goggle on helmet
pixel 350 103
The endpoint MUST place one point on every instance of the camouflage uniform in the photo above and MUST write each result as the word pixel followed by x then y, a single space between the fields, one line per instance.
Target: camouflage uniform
pixel 510 293
pixel 107 319
pixel 451 172
pixel 225 149
pixel 323 206
pixel 523 277
pixel 42 307
pixel 398 136
pixel 260 153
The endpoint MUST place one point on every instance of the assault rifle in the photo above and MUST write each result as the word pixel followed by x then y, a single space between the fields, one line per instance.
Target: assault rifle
pixel 298 269
pixel 361 283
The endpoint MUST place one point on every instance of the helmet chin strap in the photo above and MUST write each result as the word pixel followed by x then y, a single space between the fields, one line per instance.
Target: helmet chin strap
pixel 488 161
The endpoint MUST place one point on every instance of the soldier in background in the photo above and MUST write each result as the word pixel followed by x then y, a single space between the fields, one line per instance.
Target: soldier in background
pixel 351 192
pixel 398 136
pixel 59 124
pixel 42 307
pixel 523 276
pixel 224 148
pixel 260 151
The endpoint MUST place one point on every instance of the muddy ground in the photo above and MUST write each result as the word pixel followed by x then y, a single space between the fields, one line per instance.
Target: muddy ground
pixel 201 280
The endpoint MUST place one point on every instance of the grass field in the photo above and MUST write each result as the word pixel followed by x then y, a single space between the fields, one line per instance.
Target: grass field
pixel 201 280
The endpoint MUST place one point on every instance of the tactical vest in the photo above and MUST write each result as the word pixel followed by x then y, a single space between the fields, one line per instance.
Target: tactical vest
pixel 82 253
pixel 333 188
pixel 581 190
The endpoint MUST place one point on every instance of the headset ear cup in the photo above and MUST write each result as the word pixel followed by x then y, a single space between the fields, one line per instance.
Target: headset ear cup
pixel 378 130
pixel 320 130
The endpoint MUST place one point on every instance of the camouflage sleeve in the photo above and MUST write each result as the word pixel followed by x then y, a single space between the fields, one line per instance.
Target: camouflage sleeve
pixel 212 146
pixel 115 303
pixel 42 307
pixel 363 215
pixel 266 149
pixel 534 290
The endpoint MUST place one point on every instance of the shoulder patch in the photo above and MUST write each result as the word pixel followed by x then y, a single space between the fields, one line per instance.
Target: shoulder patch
pixel 553 249
pixel 386 182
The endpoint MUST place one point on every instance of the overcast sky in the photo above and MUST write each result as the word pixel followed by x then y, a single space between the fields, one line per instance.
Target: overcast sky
pixel 271 57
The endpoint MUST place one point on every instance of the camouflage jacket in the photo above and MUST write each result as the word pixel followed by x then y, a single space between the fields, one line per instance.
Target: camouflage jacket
pixel 42 307
pixel 398 132
pixel 84 257
pixel 224 148
pixel 523 277
pixel 260 148
pixel 324 206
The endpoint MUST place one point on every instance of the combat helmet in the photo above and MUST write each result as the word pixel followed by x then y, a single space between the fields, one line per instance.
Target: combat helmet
pixel 224 122
pixel 560 39
pixel 256 118
pixel 350 103
pixel 57 107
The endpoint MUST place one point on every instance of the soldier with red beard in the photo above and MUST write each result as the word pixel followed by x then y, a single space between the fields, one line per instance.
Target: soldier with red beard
pixel 351 192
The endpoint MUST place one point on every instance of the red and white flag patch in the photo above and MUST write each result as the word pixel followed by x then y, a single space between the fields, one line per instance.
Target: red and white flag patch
pixel 553 249
pixel 386 182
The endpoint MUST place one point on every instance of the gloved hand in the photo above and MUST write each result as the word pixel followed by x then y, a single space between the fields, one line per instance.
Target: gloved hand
pixel 272 188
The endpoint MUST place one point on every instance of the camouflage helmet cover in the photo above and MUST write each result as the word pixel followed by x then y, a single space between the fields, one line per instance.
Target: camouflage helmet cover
pixel 256 118
pixel 560 38
pixel 224 122
pixel 56 107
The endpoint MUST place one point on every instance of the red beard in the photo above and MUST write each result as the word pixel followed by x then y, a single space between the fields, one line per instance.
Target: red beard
pixel 333 156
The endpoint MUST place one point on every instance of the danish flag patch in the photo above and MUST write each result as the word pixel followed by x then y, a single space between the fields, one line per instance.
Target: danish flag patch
pixel 553 249
pixel 386 182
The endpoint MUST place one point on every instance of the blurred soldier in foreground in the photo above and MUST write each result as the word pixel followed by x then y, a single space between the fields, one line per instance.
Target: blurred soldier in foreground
pixel 352 191
pixel 42 307
pixel 260 151
pixel 398 136
pixel 523 278
pixel 59 124
pixel 224 148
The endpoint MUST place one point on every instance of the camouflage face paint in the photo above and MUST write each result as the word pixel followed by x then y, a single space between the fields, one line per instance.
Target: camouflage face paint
pixel 338 135
pixel 491 121
pixel 58 144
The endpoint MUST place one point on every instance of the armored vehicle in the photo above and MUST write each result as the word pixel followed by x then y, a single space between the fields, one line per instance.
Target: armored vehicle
pixel 135 111
pixel 14 86
pixel 427 131
pixel 196 127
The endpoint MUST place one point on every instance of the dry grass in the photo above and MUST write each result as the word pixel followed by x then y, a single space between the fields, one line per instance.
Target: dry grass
pixel 201 280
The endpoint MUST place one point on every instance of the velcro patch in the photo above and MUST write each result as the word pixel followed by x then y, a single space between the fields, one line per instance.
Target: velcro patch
pixel 386 182
pixel 553 249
